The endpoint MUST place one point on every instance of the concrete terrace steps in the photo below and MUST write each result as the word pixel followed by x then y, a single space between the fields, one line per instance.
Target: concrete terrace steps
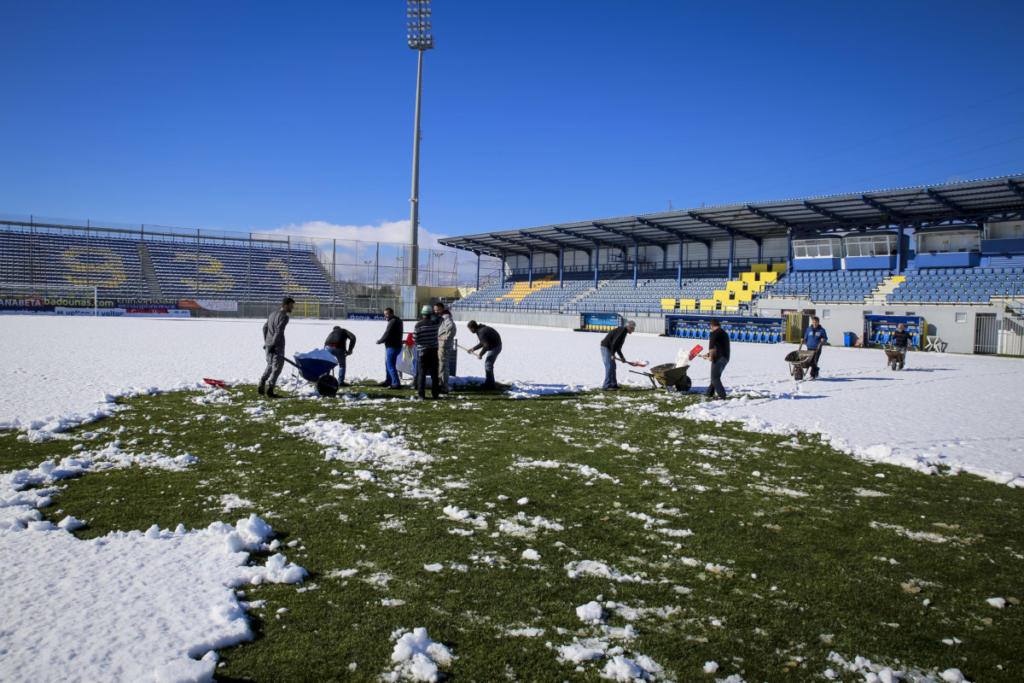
pixel 149 271
pixel 884 289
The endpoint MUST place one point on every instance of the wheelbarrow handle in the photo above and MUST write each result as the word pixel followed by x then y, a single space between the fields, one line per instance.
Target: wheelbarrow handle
pixel 290 361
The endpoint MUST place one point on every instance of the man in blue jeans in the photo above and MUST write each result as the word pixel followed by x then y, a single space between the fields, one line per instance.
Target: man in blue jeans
pixel 611 346
pixel 392 341
pixel 718 354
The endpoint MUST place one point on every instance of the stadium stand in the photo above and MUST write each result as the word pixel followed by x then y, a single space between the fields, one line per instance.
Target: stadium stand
pixel 130 268
pixel 958 285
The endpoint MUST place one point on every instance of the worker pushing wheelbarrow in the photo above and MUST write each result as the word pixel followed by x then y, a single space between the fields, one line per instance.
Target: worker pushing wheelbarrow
pixel 896 353
pixel 799 363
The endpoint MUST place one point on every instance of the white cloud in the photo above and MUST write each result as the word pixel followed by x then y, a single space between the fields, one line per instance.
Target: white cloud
pixel 352 258
pixel 391 232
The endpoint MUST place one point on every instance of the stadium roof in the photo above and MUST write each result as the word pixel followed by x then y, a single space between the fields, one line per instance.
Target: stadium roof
pixel 927 205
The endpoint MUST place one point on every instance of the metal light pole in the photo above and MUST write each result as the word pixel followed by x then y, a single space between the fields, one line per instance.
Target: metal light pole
pixel 418 23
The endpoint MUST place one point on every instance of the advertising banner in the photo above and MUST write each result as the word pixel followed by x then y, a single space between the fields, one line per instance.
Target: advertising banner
pixel 209 305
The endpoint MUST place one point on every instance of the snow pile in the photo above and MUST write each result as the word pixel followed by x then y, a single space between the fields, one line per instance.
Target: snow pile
pixel 351 445
pixel 624 669
pixel 576 569
pixel 417 658
pixel 880 673
pixel 133 605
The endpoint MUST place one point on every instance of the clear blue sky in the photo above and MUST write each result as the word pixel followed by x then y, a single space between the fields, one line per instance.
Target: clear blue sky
pixel 254 115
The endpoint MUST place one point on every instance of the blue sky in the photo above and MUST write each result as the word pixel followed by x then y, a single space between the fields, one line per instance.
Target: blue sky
pixel 257 116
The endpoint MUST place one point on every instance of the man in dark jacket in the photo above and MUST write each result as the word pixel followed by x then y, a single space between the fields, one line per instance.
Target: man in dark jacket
pixel 490 343
pixel 718 354
pixel 335 343
pixel 611 346
pixel 392 341
pixel 900 342
pixel 273 345
pixel 425 336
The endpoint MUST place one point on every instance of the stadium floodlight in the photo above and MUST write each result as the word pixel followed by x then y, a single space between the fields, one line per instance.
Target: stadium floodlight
pixel 417 13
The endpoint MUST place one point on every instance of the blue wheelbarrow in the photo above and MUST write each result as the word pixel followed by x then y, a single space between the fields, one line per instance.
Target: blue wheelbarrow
pixel 316 367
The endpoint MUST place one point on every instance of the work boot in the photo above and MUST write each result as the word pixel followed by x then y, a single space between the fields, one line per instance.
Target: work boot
pixel 261 390
pixel 271 393
pixel 384 383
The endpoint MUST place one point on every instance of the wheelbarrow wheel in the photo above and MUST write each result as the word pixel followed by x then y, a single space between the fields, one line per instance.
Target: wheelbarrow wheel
pixel 326 385
pixel 798 373
pixel 684 384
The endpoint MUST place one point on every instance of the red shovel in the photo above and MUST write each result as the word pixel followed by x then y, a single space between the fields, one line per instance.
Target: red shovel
pixel 216 382
pixel 697 348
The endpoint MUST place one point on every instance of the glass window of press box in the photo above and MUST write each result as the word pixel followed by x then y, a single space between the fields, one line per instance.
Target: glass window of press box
pixel 821 248
pixel 871 245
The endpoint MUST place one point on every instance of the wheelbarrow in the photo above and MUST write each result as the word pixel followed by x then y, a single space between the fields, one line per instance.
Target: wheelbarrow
pixel 668 375
pixel 316 367
pixel 895 358
pixel 799 362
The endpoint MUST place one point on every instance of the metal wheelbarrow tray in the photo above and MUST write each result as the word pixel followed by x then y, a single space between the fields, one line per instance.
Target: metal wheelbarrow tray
pixel 894 358
pixel 799 361
pixel 668 375
pixel 316 367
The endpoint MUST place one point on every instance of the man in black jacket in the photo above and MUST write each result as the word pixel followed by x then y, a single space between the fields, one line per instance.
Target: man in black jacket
pixel 335 343
pixel 611 346
pixel 718 354
pixel 425 336
pixel 490 343
pixel 392 341
pixel 900 342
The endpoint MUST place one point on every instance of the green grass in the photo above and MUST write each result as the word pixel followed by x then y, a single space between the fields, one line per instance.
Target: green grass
pixel 796 549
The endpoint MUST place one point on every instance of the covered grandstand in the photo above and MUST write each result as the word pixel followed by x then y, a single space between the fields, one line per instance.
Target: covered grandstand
pixel 950 256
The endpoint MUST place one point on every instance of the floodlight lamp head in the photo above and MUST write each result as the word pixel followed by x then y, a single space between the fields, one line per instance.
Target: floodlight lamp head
pixel 418 15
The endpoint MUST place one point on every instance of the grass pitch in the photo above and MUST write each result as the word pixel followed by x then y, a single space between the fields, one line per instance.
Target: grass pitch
pixel 775 557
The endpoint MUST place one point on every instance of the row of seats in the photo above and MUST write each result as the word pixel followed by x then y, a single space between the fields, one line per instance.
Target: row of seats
pixel 758 334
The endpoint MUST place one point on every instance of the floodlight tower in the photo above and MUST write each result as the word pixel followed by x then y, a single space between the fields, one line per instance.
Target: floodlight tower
pixel 417 14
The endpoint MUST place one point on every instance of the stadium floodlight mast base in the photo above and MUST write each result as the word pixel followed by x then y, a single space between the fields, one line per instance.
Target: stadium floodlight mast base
pixel 417 14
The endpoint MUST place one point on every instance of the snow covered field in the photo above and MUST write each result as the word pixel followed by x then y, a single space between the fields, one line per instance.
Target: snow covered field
pixel 963 412
pixel 958 411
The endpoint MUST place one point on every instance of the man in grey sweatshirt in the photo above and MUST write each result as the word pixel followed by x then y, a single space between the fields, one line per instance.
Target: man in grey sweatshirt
pixel 273 344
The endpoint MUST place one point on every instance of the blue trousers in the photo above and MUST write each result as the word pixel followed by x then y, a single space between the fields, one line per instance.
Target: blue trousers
pixel 390 361
pixel 610 382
